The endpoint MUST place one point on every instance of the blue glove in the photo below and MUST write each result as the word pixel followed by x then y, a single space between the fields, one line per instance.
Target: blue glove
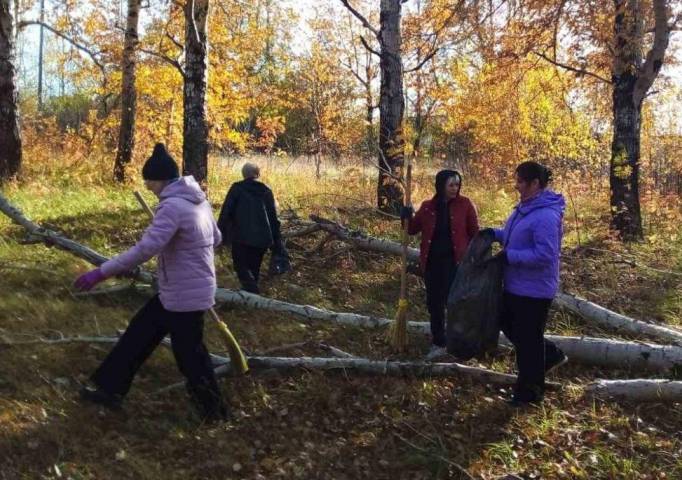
pixel 406 212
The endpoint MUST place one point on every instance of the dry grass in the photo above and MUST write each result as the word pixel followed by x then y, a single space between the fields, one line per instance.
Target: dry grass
pixel 313 425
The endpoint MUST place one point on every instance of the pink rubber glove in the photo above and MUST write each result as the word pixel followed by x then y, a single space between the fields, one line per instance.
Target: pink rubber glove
pixel 88 280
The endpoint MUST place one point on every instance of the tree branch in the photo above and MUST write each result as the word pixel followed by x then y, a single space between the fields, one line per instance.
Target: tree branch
pixel 171 61
pixel 174 40
pixel 654 57
pixel 360 17
pixel 423 62
pixel 369 49
pixel 89 52
pixel 579 71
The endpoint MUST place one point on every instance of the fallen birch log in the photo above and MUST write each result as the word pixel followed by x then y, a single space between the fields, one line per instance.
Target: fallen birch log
pixel 607 318
pixel 257 364
pixel 58 341
pixel 587 350
pixel 377 367
pixel 640 390
pixel 364 365
pixel 603 352
pixel 308 312
pixel 586 309
pixel 52 238
pixel 364 241
pixel 300 232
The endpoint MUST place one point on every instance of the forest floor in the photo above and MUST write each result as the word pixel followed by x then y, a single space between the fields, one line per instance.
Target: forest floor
pixel 314 425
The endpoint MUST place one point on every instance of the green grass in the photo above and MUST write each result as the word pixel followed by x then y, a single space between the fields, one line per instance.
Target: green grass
pixel 310 424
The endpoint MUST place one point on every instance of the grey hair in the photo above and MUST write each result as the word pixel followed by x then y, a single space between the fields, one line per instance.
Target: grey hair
pixel 250 170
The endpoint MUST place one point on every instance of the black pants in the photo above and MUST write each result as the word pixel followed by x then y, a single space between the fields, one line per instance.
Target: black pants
pixel 146 330
pixel 523 321
pixel 438 276
pixel 247 260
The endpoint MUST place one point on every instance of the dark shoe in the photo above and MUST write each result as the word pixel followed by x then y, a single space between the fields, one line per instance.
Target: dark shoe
pixel 222 414
pixel 556 363
pixel 100 397
pixel 251 288
pixel 518 402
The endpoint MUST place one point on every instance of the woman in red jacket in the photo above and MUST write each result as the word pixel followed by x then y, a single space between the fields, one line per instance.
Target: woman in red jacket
pixel 447 223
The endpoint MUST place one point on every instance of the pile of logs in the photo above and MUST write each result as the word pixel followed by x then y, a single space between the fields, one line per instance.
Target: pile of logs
pixel 663 358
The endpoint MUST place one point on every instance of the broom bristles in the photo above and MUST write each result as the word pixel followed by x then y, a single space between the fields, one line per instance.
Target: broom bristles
pixel 398 331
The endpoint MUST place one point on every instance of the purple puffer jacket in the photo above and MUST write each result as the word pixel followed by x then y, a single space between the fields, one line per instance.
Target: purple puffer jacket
pixel 183 235
pixel 532 240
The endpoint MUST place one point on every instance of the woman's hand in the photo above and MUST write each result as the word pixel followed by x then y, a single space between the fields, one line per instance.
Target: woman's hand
pixel 88 280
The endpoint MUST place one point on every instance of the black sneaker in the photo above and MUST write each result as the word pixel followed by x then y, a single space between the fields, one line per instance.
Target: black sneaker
pixel 100 397
pixel 222 414
pixel 518 402
pixel 556 363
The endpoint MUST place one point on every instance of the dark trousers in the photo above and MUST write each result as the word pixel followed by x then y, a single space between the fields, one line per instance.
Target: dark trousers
pixel 523 321
pixel 247 260
pixel 146 330
pixel 438 276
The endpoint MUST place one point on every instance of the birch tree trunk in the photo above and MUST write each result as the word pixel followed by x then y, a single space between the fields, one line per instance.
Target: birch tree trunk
pixel 391 109
pixel 195 124
pixel 640 390
pixel 126 133
pixel 631 82
pixel 10 139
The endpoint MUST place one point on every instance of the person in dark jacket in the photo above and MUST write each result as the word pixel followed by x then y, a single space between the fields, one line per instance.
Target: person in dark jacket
pixel 531 242
pixel 248 221
pixel 447 223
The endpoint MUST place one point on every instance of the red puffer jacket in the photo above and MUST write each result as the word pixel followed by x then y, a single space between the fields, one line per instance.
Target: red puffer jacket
pixel 463 226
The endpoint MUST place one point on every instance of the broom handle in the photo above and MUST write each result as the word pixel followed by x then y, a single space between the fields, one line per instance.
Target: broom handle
pixel 145 207
pixel 406 236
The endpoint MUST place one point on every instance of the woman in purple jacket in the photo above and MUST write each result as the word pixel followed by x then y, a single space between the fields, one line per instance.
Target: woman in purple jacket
pixel 183 234
pixel 531 246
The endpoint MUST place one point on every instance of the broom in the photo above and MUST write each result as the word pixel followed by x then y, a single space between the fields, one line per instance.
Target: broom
pixel 237 359
pixel 398 331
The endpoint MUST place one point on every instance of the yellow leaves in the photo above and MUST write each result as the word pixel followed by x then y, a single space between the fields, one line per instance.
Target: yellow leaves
pixel 269 128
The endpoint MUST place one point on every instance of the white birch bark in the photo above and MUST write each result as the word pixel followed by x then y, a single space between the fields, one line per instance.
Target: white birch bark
pixel 607 318
pixel 639 390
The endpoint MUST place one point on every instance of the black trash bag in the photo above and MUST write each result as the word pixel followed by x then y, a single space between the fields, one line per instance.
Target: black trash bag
pixel 280 261
pixel 474 302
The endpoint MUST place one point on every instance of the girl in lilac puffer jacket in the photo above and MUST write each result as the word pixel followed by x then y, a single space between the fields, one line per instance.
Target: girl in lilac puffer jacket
pixel 183 235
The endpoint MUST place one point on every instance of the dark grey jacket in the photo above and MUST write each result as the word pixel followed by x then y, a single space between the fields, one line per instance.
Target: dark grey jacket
pixel 249 216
